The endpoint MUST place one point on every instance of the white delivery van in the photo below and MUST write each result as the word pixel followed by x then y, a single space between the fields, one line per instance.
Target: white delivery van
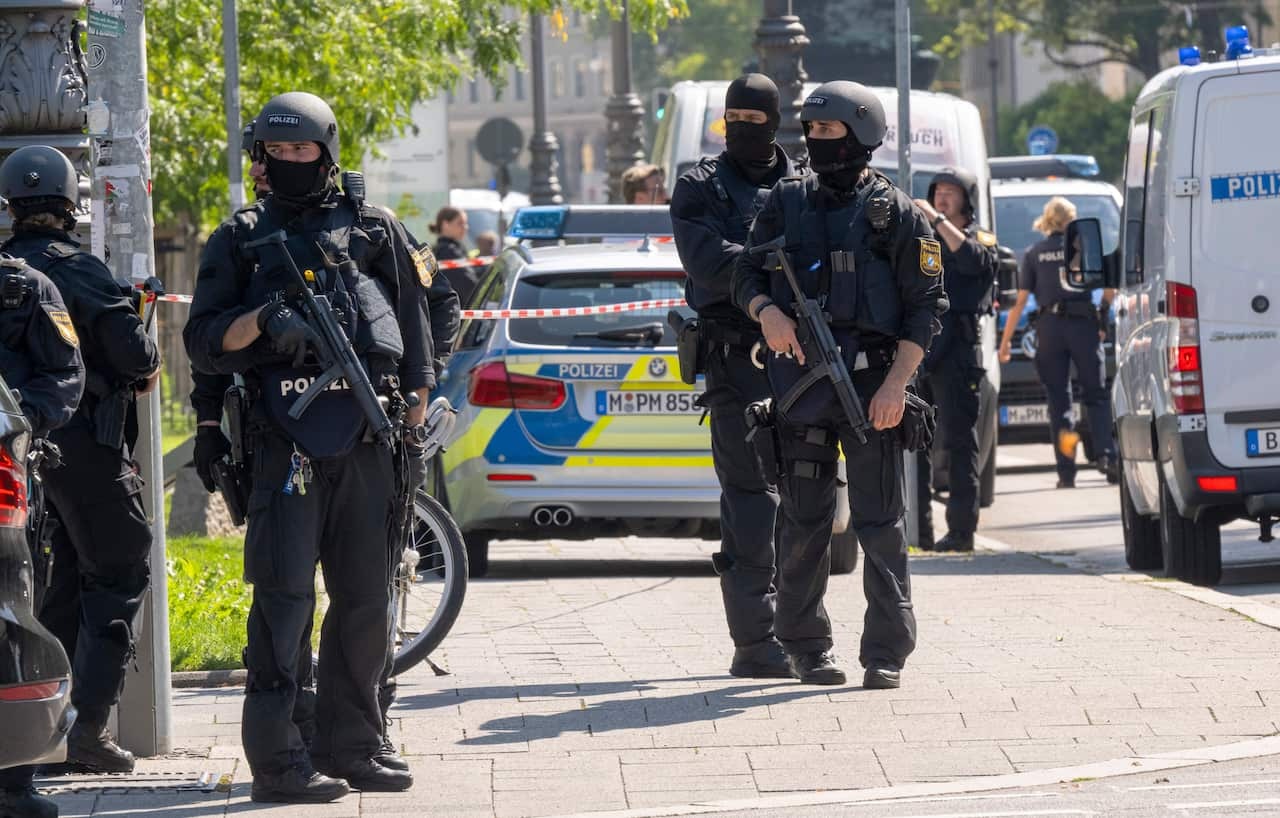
pixel 1196 401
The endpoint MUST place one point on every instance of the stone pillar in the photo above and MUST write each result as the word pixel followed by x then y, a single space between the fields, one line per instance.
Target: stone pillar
pixel 544 185
pixel 780 40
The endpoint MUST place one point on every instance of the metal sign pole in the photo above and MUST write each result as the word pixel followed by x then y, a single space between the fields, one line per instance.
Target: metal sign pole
pixel 231 101
pixel 123 235
pixel 903 28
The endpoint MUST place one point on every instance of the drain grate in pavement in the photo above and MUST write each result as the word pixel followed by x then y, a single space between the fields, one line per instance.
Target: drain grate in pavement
pixel 197 781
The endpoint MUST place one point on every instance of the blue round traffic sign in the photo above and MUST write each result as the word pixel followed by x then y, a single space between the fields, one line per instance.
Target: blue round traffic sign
pixel 1042 140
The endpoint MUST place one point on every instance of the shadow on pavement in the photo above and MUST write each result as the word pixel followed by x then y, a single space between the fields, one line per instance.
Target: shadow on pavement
pixel 573 568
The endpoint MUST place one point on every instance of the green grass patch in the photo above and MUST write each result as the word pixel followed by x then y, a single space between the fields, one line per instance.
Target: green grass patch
pixel 208 603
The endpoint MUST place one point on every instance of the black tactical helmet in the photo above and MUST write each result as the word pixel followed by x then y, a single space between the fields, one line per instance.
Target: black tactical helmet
pixel 857 106
pixel 246 139
pixel 39 172
pixel 298 117
pixel 962 179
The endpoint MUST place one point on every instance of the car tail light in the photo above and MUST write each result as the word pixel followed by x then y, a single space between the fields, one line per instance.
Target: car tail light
pixel 1186 383
pixel 30 692
pixel 13 491
pixel 492 385
pixel 511 478
pixel 1217 483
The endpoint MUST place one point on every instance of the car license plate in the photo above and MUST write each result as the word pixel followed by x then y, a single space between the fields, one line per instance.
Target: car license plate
pixel 647 402
pixel 1031 414
pixel 1262 442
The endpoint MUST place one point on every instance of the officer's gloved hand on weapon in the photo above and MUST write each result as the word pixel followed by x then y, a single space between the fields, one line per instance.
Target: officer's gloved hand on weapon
pixel 415 452
pixel 289 332
pixel 211 446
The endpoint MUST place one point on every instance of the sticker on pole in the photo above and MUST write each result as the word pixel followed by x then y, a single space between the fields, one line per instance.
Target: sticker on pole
pixel 106 18
pixel 1042 140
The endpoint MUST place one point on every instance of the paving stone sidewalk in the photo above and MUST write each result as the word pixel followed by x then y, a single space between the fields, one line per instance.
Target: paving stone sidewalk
pixel 584 677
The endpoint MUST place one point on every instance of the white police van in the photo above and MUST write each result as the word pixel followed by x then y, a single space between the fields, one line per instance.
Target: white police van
pixel 1196 404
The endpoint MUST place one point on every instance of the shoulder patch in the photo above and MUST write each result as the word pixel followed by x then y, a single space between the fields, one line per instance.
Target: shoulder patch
pixel 61 249
pixel 985 239
pixel 62 322
pixel 424 262
pixel 930 257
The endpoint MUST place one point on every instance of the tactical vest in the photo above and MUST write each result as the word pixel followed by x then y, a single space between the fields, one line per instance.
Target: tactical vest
pixel 861 300
pixel 363 302
pixel 967 294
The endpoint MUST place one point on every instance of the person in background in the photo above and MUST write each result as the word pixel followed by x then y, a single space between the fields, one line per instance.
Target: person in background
pixel 1070 330
pixel 451 227
pixel 487 244
pixel 644 185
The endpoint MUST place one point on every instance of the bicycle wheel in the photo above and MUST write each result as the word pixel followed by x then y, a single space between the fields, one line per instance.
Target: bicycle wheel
pixel 429 585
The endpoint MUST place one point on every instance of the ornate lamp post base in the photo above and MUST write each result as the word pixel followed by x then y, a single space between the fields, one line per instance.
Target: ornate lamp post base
pixel 780 40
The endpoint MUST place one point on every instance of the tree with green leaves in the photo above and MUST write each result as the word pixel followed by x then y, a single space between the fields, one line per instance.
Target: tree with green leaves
pixel 1138 33
pixel 371 60
pixel 1085 119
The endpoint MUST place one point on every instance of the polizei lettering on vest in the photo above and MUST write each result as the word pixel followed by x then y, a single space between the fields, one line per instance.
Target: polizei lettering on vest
pixel 297 386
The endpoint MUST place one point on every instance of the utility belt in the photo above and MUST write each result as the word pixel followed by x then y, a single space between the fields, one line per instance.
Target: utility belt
pixel 769 439
pixel 1075 309
pixel 697 336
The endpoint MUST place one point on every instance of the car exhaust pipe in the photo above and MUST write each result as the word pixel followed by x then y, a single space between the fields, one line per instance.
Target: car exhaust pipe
pixel 542 516
pixel 562 517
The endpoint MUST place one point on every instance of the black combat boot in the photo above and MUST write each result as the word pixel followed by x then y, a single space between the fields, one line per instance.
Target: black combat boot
pixel 766 660
pixel 298 784
pixel 881 676
pixel 388 754
pixel 26 803
pixel 91 747
pixel 370 776
pixel 955 542
pixel 816 668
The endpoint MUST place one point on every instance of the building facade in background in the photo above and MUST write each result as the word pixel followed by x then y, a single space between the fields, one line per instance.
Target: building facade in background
pixel 579 84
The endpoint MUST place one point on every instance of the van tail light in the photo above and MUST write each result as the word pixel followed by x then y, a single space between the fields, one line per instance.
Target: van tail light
pixel 13 491
pixel 492 385
pixel 1218 484
pixel 1186 382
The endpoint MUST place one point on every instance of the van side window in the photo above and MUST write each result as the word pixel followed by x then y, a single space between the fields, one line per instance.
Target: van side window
pixel 1158 155
pixel 1135 193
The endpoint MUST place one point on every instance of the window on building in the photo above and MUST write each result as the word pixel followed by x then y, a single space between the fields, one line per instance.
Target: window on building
pixel 559 83
pixel 519 84
pixel 579 79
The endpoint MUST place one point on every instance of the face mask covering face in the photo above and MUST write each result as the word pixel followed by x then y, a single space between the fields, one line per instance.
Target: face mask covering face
pixel 294 180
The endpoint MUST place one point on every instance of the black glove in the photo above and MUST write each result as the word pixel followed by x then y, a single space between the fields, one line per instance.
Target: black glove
pixel 918 424
pixel 211 445
pixel 289 332
pixel 416 455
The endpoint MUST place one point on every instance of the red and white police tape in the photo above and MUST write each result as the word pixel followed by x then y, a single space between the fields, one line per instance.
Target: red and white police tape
pixel 550 312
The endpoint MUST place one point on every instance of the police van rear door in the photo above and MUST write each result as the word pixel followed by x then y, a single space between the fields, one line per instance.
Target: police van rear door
pixel 622 384
pixel 1234 264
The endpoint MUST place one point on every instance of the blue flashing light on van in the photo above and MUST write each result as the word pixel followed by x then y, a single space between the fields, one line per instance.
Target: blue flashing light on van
pixel 1189 55
pixel 1238 43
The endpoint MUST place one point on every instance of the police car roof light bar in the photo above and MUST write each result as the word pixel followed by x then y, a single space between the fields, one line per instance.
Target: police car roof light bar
pixel 1074 166
pixel 586 222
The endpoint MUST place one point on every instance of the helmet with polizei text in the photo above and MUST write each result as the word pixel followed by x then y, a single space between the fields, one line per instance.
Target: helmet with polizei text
pixel 854 104
pixel 298 117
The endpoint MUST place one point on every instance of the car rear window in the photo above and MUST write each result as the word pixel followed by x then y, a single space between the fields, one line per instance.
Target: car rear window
pixel 1016 214
pixel 643 328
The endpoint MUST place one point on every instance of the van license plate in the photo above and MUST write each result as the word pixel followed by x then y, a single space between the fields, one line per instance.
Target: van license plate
pixel 1029 414
pixel 1262 442
pixel 647 402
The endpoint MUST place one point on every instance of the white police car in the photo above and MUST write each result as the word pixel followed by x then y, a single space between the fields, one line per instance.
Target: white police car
pixel 576 426
pixel 1198 337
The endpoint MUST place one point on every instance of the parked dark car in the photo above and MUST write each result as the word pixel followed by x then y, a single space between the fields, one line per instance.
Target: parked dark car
pixel 35 677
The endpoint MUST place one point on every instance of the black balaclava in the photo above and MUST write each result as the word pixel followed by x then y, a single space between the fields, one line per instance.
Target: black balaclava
pixel 751 145
pixel 839 163
pixel 300 184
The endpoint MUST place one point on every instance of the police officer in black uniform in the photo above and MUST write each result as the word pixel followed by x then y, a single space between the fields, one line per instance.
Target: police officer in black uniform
pixel 103 540
pixel 953 371
pixel 881 284
pixel 711 212
pixel 1069 330
pixel 40 358
pixel 321 487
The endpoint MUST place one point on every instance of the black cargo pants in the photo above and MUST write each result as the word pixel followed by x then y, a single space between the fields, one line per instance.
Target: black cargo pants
pixel 101 545
pixel 748 501
pixel 954 386
pixel 343 521
pixel 1060 342
pixel 804 536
